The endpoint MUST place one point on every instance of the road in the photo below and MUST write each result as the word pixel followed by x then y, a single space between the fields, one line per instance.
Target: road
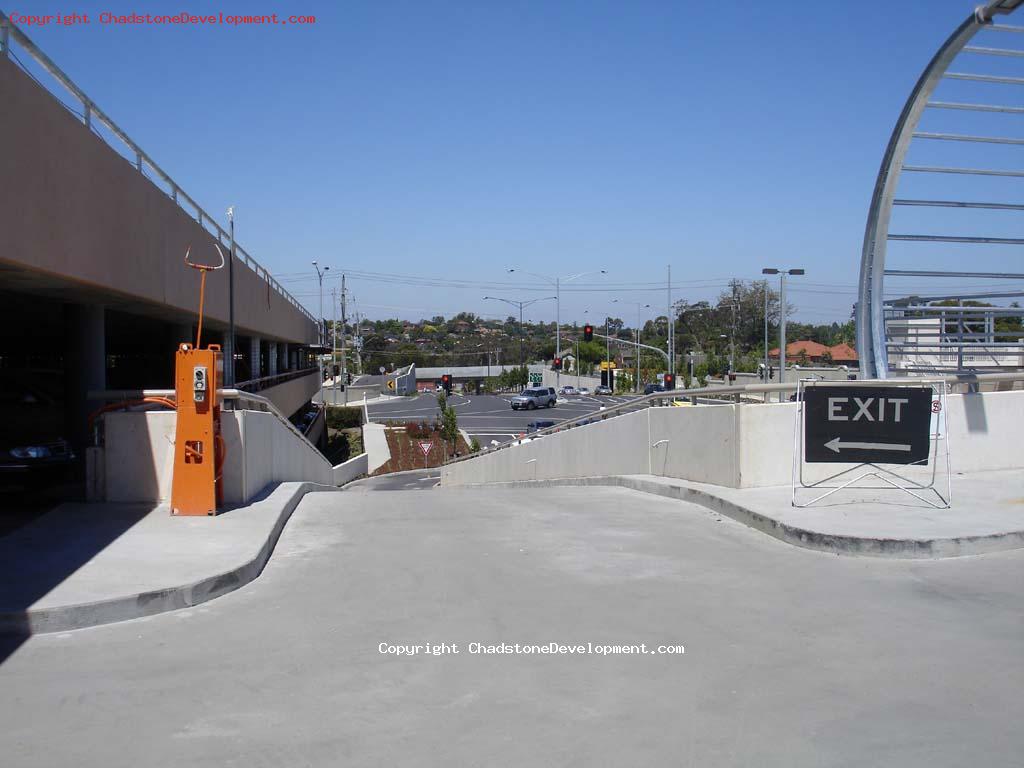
pixel 791 658
pixel 489 417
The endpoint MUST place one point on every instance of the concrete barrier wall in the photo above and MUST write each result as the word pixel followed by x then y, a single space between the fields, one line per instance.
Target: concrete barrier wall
pixel 289 396
pixel 616 446
pixel 351 469
pixel 737 446
pixel 138 462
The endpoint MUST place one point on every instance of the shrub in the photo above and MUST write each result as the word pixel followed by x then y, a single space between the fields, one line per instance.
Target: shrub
pixel 344 417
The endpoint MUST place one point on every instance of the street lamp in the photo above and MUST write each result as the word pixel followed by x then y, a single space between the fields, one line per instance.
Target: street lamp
pixel 639 308
pixel 557 281
pixel 519 304
pixel 782 317
pixel 320 276
pixel 229 370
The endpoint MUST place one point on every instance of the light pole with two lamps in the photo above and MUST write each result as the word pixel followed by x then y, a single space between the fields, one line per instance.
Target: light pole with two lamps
pixel 320 277
pixel 557 282
pixel 519 304
pixel 782 318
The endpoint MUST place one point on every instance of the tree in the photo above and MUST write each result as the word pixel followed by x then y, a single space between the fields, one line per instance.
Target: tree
pixel 450 426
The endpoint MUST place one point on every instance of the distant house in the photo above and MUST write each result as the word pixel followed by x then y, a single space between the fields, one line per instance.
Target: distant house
pixel 461 326
pixel 813 352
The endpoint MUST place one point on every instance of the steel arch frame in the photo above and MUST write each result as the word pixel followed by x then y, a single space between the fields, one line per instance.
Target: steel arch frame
pixel 870 320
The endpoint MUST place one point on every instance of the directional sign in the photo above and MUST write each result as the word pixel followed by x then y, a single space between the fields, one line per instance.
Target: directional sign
pixel 391 383
pixel 426 445
pixel 870 425
pixel 536 378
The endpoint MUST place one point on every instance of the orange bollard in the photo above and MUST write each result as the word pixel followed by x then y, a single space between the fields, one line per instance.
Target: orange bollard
pixel 196 487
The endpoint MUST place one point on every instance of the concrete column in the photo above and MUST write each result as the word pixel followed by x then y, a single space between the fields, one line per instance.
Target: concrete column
pixel 286 356
pixel 229 359
pixel 85 367
pixel 254 356
pixel 272 358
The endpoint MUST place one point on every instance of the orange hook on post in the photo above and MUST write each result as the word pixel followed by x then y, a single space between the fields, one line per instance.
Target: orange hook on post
pixel 203 269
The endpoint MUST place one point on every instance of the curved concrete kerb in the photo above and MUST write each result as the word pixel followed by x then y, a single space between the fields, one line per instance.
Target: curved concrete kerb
pixel 268 516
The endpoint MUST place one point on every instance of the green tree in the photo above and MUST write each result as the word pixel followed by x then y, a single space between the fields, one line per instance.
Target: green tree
pixel 450 426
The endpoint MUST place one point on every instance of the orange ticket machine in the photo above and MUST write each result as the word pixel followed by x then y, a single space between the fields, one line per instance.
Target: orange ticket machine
pixel 196 487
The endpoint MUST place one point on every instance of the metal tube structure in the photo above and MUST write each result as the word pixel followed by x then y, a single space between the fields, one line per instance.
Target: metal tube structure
pixel 872 343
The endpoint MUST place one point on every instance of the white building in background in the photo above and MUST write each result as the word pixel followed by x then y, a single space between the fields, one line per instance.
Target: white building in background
pixel 941 343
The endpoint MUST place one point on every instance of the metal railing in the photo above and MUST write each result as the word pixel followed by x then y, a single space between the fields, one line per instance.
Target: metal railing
pixel 91 113
pixel 740 393
pixel 265 382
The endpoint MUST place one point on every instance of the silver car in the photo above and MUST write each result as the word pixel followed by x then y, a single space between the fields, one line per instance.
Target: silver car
pixel 534 397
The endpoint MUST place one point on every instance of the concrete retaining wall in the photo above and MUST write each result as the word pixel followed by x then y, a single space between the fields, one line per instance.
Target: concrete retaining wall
pixel 737 446
pixel 138 457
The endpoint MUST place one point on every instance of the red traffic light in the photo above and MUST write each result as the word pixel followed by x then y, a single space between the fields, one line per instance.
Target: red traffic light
pixel 557 365
pixel 588 333
pixel 670 381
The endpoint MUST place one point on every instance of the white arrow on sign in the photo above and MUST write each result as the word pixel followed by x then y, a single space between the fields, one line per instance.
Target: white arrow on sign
pixel 836 445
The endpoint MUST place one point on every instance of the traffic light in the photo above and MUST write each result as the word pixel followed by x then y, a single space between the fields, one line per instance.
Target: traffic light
pixel 588 333
pixel 446 383
pixel 771 372
pixel 670 381
pixel 557 364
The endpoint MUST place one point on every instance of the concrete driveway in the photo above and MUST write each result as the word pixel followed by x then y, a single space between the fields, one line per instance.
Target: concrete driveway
pixel 792 658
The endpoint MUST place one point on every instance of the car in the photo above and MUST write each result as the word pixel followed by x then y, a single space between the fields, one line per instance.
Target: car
pixel 32 447
pixel 567 391
pixel 537 426
pixel 650 389
pixel 534 397
pixel 602 390
pixel 582 391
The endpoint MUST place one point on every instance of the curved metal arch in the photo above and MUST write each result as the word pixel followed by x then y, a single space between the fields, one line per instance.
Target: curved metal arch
pixel 871 344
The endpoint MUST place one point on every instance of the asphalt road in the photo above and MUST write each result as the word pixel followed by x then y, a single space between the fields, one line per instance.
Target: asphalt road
pixel 791 658
pixel 489 417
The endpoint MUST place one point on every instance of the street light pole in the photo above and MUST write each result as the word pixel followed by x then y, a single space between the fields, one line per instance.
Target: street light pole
pixel 521 305
pixel 782 314
pixel 639 308
pixel 558 305
pixel 320 277
pixel 229 368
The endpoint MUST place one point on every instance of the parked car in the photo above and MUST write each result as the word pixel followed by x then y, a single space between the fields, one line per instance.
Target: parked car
pixel 602 390
pixel 582 391
pixel 32 445
pixel 650 389
pixel 534 397
pixel 537 426
pixel 567 390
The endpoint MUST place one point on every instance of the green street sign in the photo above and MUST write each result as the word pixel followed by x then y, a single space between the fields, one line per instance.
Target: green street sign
pixel 536 378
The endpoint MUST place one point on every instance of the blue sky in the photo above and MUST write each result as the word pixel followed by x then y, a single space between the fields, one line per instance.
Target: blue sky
pixel 454 140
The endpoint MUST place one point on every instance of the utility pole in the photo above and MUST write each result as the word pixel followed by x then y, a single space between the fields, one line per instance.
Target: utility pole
pixel 671 326
pixel 334 341
pixel 344 366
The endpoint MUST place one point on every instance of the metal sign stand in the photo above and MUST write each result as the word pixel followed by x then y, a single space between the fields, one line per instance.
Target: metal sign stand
pixel 889 478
